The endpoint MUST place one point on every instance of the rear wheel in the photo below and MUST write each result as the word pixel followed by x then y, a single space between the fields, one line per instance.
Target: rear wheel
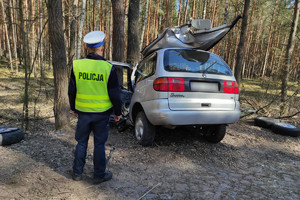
pixel 214 134
pixel 144 130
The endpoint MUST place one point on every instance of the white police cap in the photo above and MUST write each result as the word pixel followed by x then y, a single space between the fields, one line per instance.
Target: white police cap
pixel 94 38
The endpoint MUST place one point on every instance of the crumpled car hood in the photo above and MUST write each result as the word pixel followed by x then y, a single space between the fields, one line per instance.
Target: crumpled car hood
pixel 186 37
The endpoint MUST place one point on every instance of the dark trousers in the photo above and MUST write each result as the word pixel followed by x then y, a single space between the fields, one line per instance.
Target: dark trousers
pixel 99 124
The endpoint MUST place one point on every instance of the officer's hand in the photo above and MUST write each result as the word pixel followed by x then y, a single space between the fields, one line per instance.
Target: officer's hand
pixel 74 113
pixel 117 118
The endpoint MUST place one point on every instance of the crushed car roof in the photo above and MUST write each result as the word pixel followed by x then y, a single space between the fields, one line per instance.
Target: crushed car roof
pixel 197 34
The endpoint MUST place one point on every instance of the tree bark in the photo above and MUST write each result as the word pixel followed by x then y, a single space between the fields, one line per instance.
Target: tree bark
pixel 41 57
pixel 56 39
pixel 26 62
pixel 148 23
pixel 82 19
pixel 204 9
pixel 186 11
pixel 269 41
pixel 288 57
pixel 73 27
pixel 14 36
pixel 32 35
pixel 239 58
pixel 225 22
pixel 193 9
pixel 133 30
pixel 144 26
pixel 6 36
pixel 118 34
pixel 179 13
pixel 167 13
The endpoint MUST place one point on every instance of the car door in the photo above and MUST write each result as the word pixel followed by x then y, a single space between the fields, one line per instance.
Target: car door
pixel 142 79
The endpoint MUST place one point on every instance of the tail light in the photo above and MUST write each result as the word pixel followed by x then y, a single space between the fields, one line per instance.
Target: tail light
pixel 231 87
pixel 169 84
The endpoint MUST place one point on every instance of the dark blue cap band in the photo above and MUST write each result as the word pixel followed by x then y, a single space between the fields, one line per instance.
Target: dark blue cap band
pixel 95 45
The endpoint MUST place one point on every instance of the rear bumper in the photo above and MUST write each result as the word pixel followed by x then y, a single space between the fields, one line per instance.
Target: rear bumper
pixel 159 114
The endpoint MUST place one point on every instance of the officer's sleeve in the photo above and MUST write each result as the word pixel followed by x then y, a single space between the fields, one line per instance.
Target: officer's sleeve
pixel 114 91
pixel 72 90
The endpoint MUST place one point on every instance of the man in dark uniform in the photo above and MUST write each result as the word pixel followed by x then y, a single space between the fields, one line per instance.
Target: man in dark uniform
pixel 94 93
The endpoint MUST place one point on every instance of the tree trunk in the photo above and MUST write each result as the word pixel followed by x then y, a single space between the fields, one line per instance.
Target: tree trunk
pixel 32 35
pixel 14 35
pixel 204 9
pixel 288 57
pixel 213 13
pixel 82 20
pixel 239 57
pixel 111 34
pixel 26 62
pixel 148 23
pixel 179 13
pixel 186 11
pixel 6 36
pixel 133 30
pixel 97 19
pixel 41 57
pixel 167 13
pixel 73 28
pixel 193 9
pixel 144 26
pixel 56 39
pixel 225 22
pixel 118 35
pixel 269 41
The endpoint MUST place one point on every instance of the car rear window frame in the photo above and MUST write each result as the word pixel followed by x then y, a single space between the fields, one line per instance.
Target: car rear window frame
pixel 220 61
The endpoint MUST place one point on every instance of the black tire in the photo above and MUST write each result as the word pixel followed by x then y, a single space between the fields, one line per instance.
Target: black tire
pixel 144 130
pixel 286 129
pixel 9 135
pixel 265 122
pixel 214 134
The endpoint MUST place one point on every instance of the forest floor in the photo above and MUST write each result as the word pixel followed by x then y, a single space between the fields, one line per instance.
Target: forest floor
pixel 249 163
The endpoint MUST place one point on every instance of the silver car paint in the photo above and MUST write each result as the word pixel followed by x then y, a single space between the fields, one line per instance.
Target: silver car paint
pixel 224 108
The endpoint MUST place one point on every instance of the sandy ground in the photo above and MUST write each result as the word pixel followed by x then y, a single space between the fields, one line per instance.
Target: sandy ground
pixel 249 163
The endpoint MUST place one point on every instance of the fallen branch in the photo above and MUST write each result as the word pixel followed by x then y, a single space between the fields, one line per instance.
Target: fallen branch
pixel 149 191
pixel 259 109
pixel 288 116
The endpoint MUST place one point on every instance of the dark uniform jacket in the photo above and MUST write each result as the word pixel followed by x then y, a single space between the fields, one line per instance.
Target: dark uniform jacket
pixel 113 88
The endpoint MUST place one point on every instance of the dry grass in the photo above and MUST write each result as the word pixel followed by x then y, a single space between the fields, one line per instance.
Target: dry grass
pixel 265 91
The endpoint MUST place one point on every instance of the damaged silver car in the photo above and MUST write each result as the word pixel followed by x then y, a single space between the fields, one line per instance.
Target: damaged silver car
pixel 180 83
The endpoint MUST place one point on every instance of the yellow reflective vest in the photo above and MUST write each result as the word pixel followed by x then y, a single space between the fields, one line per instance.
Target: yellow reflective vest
pixel 91 83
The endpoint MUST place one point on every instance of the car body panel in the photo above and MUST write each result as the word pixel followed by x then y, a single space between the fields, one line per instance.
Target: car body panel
pixel 159 114
pixel 193 107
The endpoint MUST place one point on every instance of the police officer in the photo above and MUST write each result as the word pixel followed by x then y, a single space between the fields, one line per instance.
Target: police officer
pixel 94 93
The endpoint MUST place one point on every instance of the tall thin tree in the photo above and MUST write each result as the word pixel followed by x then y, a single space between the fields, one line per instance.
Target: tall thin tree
pixel 288 57
pixel 80 29
pixel 7 40
pixel 267 53
pixel 240 49
pixel 133 28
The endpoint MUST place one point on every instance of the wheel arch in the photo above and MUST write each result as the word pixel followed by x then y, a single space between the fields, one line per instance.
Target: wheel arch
pixel 137 107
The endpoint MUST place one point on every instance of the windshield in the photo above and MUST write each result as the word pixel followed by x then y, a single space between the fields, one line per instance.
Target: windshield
pixel 183 60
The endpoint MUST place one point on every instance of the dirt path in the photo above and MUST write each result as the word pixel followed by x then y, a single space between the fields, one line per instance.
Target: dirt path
pixel 250 163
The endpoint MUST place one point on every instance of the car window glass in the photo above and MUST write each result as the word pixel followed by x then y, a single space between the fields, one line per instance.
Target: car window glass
pixel 125 72
pixel 146 69
pixel 182 60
